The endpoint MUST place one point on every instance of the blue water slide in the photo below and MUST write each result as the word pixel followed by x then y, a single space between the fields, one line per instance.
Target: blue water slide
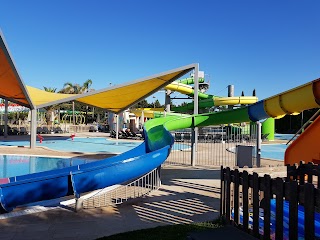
pixel 256 111
pixel 137 151
pixel 122 171
pixel 82 178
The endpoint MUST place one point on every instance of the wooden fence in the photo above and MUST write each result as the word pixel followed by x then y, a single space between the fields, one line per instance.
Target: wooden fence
pixel 243 196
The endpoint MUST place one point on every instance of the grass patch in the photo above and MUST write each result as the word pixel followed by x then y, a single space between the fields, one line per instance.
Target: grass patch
pixel 170 232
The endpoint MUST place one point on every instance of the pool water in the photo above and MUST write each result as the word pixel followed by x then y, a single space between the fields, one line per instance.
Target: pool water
pixel 86 145
pixel 16 165
pixel 273 151
pixel 287 137
pixel 276 151
pixel 89 145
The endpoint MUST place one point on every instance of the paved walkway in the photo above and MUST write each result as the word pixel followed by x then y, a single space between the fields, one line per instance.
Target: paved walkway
pixel 187 195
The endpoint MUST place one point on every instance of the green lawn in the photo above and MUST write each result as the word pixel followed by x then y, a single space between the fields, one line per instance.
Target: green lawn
pixel 170 232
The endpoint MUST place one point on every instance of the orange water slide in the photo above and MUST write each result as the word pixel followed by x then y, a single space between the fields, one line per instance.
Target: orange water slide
pixel 306 147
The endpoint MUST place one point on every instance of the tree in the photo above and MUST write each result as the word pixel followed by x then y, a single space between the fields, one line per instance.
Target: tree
pixel 49 89
pixel 76 88
pixel 157 104
pixel 142 104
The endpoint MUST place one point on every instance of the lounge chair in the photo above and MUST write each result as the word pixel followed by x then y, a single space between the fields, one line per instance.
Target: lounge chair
pixel 92 129
pixel 178 137
pixel 130 134
pixel 217 138
pixel 23 131
pixel 13 131
pixel 202 138
pixel 137 135
pixel 187 137
pixel 40 130
pixel 124 134
pixel 46 130
pixel 113 134
pixel 57 130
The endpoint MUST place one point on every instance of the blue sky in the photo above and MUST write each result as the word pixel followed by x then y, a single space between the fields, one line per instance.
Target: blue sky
pixel 270 46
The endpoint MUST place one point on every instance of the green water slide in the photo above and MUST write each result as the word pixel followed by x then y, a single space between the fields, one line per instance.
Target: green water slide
pixel 205 100
pixel 189 81
pixel 157 128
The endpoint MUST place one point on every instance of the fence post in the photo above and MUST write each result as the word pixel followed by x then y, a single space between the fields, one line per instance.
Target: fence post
pixel 309 211
pixel 266 206
pixel 279 208
pixel 236 197
pixel 293 210
pixel 255 205
pixel 317 173
pixel 227 199
pixel 194 139
pixel 222 192
pixel 245 199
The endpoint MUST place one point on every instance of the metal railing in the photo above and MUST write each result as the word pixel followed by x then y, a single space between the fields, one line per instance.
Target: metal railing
pixel 121 193
pixel 313 117
pixel 216 145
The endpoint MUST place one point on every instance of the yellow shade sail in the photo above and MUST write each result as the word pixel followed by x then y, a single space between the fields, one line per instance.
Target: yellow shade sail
pixel 116 98
pixel 40 97
pixel 120 98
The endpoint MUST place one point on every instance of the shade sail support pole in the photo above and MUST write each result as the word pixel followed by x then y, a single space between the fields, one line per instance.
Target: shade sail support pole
pixel 194 137
pixel 33 128
pixel 6 104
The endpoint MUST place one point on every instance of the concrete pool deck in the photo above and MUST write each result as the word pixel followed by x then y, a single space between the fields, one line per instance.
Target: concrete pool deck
pixel 187 194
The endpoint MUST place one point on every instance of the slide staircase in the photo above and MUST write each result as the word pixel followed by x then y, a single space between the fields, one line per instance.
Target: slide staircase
pixel 306 146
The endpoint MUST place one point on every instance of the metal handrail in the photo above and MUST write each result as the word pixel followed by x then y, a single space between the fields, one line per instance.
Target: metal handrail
pixel 137 188
pixel 314 116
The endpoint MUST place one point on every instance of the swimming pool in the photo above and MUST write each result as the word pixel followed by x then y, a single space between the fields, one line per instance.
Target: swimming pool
pixel 273 151
pixel 86 145
pixel 279 136
pixel 276 151
pixel 16 165
pixel 89 145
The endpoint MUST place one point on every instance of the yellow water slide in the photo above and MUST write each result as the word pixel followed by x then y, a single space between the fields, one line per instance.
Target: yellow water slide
pixel 208 100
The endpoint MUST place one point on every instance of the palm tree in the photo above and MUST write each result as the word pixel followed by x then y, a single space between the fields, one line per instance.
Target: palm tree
pixel 50 89
pixel 86 85
pixel 71 88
